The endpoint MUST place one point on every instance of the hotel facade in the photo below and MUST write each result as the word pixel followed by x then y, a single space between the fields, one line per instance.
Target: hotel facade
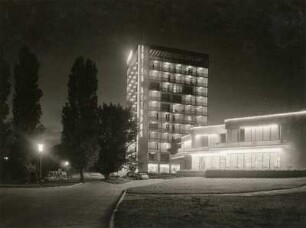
pixel 167 90
pixel 267 142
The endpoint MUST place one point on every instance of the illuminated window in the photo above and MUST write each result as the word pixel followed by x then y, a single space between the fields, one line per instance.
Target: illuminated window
pixel 164 168
pixel 175 168
pixel 152 168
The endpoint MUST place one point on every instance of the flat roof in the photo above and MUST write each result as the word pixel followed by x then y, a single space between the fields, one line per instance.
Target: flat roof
pixel 269 116
pixel 179 56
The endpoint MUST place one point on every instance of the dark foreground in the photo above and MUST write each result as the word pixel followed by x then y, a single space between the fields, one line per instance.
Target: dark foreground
pixel 86 205
pixel 286 210
pixel 202 202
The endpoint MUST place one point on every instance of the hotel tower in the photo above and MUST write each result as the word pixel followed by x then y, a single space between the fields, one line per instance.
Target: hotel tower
pixel 167 89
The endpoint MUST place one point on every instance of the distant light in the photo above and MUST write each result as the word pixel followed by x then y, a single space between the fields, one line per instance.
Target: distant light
pixel 40 147
pixel 129 57
pixel 66 163
pixel 6 158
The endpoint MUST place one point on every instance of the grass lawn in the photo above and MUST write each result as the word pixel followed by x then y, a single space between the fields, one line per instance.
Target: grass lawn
pixel 194 210
pixel 118 180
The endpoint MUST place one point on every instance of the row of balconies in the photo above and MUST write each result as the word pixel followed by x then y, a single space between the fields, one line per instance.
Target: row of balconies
pixel 178 71
pixel 176 100
pixel 234 144
pixel 162 157
pixel 169 130
pixel 174 80
pixel 181 121
pixel 183 91
pixel 161 139
pixel 179 111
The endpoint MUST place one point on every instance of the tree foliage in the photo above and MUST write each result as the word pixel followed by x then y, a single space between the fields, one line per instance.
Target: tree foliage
pixel 173 146
pixel 118 129
pixel 4 111
pixel 4 107
pixel 4 89
pixel 80 115
pixel 26 105
pixel 26 115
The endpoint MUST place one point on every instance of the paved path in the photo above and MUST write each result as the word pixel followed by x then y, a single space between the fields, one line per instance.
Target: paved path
pixel 86 205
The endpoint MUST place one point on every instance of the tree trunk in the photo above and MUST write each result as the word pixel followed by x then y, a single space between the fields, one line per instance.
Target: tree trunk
pixel 82 175
pixel 106 176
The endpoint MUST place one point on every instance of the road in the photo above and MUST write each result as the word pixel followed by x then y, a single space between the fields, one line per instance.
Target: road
pixel 85 205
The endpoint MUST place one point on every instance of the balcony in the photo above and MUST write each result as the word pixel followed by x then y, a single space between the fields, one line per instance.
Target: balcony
pixel 247 144
pixel 169 130
pixel 173 80
pixel 178 71
pixel 160 139
pixel 178 111
pixel 229 145
pixel 180 121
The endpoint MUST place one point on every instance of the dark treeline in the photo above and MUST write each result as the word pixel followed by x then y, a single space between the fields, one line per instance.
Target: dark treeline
pixel 93 137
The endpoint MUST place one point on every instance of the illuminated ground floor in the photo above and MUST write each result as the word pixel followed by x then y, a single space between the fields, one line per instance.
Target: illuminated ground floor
pixel 234 159
pixel 243 161
pixel 163 168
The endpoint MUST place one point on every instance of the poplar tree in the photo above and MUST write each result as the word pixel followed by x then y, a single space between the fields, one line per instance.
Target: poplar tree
pixel 4 111
pixel 4 89
pixel 79 116
pixel 26 113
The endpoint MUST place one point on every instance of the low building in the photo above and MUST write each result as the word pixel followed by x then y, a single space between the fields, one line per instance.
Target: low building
pixel 266 142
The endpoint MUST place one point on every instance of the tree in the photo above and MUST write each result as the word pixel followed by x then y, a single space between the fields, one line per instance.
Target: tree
pixel 26 113
pixel 4 111
pixel 118 129
pixel 131 162
pixel 173 146
pixel 80 116
pixel 4 89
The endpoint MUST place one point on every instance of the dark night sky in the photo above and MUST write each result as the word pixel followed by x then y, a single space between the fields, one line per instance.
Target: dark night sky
pixel 256 48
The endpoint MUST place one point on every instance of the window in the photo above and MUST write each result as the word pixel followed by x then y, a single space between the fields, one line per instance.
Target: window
pixel 152 157
pixel 177 89
pixel 164 168
pixel 156 146
pixel 223 138
pixel 152 168
pixel 167 126
pixel 153 126
pixel 204 141
pixel 165 97
pixel 222 162
pixel 165 107
pixel 164 157
pixel 177 99
pixel 175 168
pixel 167 117
pixel 242 134
pixel 154 86
pixel 187 90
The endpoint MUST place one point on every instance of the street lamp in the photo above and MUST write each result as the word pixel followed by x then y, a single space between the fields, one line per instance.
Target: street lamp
pixel 66 163
pixel 40 150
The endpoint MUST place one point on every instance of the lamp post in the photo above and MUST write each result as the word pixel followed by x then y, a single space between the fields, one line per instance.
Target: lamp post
pixel 40 151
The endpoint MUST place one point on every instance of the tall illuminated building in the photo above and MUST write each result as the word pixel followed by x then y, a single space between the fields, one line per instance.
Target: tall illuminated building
pixel 167 89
